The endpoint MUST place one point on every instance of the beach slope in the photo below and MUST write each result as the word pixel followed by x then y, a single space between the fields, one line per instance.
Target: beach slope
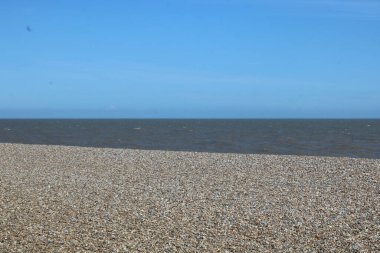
pixel 73 199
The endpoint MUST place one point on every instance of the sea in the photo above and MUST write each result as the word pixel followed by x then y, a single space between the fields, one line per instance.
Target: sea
pixel 347 138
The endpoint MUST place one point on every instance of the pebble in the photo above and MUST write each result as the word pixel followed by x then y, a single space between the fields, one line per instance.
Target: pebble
pixel 76 199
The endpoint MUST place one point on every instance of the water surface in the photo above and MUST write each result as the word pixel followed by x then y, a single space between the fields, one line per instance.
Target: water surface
pixel 353 138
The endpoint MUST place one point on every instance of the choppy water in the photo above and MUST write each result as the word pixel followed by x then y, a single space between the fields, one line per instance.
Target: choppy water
pixel 354 138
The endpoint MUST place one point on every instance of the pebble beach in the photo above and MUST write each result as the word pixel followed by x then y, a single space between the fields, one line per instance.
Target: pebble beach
pixel 76 199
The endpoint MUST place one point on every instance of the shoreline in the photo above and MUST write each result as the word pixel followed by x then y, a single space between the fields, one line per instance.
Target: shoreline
pixel 63 146
pixel 66 199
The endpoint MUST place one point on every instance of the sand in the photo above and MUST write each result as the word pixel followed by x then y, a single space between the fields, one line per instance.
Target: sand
pixel 73 199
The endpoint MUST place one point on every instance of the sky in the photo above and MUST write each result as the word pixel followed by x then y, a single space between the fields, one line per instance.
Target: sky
pixel 190 59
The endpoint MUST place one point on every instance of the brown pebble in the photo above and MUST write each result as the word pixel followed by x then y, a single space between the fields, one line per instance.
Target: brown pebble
pixel 73 199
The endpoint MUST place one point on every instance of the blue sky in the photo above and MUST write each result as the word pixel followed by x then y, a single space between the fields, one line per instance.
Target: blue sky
pixel 190 59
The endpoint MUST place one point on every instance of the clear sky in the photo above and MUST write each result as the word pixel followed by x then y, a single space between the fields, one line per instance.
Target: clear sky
pixel 190 58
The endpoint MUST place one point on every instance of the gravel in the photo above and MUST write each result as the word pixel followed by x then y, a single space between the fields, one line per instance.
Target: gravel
pixel 74 199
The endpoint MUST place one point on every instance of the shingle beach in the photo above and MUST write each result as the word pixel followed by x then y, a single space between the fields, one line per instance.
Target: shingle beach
pixel 74 199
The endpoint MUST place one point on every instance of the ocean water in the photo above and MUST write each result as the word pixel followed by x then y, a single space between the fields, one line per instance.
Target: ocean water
pixel 352 138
